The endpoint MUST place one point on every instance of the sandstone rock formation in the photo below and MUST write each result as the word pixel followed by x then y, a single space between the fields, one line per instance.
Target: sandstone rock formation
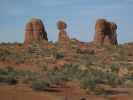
pixel 34 31
pixel 105 32
pixel 63 38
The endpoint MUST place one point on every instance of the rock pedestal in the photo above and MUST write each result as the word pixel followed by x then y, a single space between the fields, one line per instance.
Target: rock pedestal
pixel 63 38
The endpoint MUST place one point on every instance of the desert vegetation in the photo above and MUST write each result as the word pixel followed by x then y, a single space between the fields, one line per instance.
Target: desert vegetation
pixel 89 78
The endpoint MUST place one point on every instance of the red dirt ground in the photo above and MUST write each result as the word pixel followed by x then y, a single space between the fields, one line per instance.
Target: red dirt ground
pixel 22 92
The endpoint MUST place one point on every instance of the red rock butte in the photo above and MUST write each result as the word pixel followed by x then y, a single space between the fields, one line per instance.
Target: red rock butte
pixel 105 32
pixel 34 31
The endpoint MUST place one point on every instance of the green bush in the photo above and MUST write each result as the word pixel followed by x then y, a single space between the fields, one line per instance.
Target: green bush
pixel 8 79
pixel 114 68
pixel 88 83
pixel 8 75
pixel 40 85
pixel 56 76
pixel 59 55
pixel 27 76
pixel 89 79
pixel 68 72
pixel 11 76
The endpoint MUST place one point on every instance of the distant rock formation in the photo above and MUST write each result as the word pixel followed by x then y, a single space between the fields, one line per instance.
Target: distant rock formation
pixel 63 38
pixel 105 32
pixel 34 31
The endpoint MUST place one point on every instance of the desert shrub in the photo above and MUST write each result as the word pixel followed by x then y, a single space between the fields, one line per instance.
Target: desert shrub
pixel 87 59
pixel 27 76
pixel 9 54
pixel 129 77
pixel 89 79
pixel 8 75
pixel 8 79
pixel 4 53
pixel 88 83
pixel 59 55
pixel 73 44
pixel 68 72
pixel 31 75
pixel 11 76
pixel 40 85
pixel 56 76
pixel 113 80
pixel 122 54
pixel 8 71
pixel 114 68
pixel 44 67
pixel 17 57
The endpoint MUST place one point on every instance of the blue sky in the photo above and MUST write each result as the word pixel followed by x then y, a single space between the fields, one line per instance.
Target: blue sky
pixel 80 16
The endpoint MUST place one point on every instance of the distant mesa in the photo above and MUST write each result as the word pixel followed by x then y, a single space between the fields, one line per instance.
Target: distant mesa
pixel 105 32
pixel 34 31
pixel 63 37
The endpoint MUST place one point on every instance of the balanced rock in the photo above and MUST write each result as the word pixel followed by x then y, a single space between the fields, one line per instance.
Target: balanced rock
pixel 61 25
pixel 34 31
pixel 63 38
pixel 105 32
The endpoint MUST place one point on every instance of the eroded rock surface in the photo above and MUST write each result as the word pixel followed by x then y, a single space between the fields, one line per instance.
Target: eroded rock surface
pixel 105 32
pixel 34 31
